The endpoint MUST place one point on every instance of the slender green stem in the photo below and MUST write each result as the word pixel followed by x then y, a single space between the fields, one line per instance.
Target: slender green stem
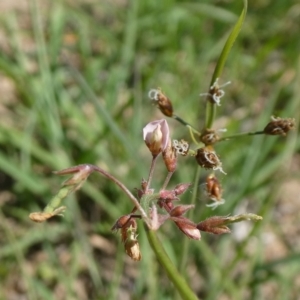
pixel 167 180
pixel 186 124
pixel 241 134
pixel 173 274
pixel 211 111
pixel 153 162
pixel 192 135
pixel 125 190
pixel 186 243
pixel 57 199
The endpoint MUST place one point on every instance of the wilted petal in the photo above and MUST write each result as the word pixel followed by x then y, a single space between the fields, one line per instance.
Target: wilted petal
pixel 40 217
pixel 157 219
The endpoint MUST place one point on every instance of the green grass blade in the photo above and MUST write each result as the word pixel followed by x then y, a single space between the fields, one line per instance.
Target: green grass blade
pixel 211 107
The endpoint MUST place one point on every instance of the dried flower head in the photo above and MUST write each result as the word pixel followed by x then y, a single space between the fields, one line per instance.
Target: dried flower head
pixel 156 136
pixel 162 101
pixel 181 147
pixel 209 136
pixel 207 158
pixel 279 126
pixel 215 92
pixel 129 238
pixel 40 217
pixel 214 191
pixel 132 246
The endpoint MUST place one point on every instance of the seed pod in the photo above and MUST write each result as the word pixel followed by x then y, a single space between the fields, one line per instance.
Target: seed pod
pixel 213 188
pixel 170 157
pixel 163 102
pixel 215 225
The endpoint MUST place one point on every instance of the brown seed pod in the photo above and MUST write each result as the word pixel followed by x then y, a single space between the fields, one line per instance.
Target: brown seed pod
pixel 163 102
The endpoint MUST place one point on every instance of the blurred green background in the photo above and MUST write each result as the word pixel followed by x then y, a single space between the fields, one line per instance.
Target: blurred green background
pixel 74 78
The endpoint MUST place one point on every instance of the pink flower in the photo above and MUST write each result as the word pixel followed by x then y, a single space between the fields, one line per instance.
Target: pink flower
pixel 156 136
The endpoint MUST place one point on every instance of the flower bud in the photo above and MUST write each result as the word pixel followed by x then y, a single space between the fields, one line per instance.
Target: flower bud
pixel 181 188
pixel 279 126
pixel 168 205
pixel 180 210
pixel 215 225
pixel 188 228
pixel 167 195
pixel 142 191
pixel 156 136
pixel 170 157
pixel 207 158
pixel 163 102
pixel 81 173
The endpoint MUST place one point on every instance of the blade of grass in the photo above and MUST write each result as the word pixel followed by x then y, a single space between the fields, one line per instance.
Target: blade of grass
pixel 211 107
